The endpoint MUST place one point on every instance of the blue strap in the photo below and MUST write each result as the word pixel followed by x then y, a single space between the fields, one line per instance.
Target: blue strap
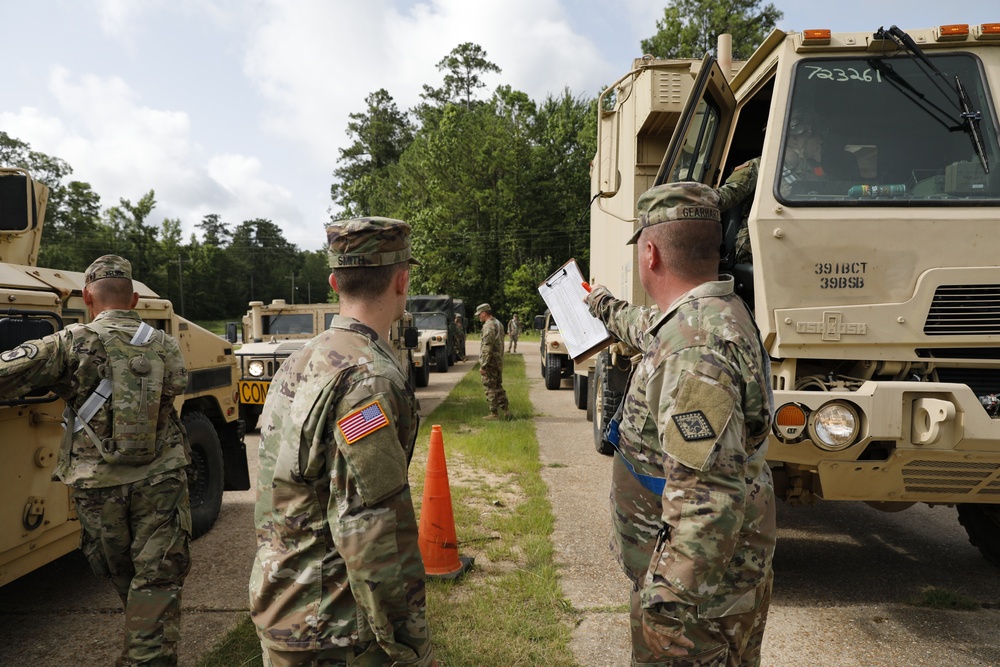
pixel 654 484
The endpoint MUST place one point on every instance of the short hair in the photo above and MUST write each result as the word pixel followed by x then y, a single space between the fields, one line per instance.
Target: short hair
pixel 366 283
pixel 115 293
pixel 689 247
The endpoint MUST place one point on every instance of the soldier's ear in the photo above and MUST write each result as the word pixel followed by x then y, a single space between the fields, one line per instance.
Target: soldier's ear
pixel 333 282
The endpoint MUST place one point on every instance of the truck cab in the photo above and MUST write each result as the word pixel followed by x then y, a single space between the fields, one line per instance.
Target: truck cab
pixel 861 250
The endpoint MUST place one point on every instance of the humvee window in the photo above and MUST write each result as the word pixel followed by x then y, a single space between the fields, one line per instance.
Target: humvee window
pixel 430 321
pixel 882 131
pixel 282 323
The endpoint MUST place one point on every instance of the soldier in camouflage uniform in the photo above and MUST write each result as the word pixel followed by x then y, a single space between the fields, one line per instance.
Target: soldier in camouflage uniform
pixel 692 497
pixel 135 519
pixel 514 331
pixel 338 578
pixel 491 362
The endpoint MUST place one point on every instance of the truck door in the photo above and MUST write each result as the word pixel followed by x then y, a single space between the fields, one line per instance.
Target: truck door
pixel 695 152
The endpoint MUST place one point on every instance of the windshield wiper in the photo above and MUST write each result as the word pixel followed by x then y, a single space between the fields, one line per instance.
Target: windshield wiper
pixel 968 116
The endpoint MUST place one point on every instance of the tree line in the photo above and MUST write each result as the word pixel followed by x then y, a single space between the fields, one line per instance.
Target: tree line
pixel 496 187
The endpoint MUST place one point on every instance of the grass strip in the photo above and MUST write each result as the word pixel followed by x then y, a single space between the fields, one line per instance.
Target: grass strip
pixel 509 609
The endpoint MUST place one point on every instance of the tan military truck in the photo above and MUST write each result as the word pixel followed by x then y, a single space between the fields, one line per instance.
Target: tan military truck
pixel 873 276
pixel 272 332
pixel 432 332
pixel 556 362
pixel 38 522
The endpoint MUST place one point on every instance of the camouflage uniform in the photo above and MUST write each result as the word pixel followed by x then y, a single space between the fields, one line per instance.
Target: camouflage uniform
pixel 692 497
pixel 338 578
pixel 514 331
pixel 738 190
pixel 136 519
pixel 491 363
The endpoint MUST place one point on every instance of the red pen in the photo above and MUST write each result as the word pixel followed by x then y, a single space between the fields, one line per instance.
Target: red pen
pixel 586 285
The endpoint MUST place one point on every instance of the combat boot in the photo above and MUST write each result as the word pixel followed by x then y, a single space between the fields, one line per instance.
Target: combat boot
pixel 491 417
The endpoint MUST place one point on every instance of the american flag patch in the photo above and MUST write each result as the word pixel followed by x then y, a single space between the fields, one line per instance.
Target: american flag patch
pixel 362 421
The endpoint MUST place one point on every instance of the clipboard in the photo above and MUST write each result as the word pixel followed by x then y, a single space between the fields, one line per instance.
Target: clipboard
pixel 564 294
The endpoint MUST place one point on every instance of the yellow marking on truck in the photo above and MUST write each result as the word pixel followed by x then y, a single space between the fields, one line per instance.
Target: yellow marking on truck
pixel 253 392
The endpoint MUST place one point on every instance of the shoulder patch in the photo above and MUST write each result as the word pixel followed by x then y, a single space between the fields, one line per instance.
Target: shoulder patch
pixel 361 422
pixel 23 350
pixel 693 425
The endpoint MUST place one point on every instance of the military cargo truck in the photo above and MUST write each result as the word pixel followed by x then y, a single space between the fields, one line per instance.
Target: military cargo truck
pixel 272 332
pixel 873 277
pixel 440 303
pixel 556 362
pixel 433 341
pixel 38 522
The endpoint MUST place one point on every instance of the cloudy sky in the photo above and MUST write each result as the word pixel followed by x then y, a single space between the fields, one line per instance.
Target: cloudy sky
pixel 239 107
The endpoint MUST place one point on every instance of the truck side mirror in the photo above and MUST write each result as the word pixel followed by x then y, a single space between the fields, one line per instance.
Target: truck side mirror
pixel 17 201
pixel 231 332
pixel 539 322
pixel 410 337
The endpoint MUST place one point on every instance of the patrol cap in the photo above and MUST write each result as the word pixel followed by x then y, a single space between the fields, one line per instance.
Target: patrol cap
pixel 482 308
pixel 108 266
pixel 371 241
pixel 676 201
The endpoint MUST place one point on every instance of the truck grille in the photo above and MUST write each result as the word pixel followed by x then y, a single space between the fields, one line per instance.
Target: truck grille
pixel 971 477
pixel 964 310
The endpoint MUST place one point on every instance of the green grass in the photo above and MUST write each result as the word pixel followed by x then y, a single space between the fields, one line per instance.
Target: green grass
pixel 509 609
pixel 938 598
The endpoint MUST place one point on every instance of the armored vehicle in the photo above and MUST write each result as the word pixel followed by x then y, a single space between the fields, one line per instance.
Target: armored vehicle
pixel 38 522
pixel 871 274
pixel 556 362
pixel 271 333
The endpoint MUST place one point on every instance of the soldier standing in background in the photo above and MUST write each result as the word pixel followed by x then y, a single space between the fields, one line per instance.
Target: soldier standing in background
pixel 124 463
pixel 514 330
pixel 338 578
pixel 692 498
pixel 491 362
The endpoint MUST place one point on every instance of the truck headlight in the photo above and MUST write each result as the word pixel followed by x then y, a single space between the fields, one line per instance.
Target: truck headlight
pixel 256 368
pixel 835 426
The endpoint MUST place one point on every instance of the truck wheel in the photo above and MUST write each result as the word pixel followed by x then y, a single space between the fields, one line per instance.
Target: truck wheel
pixel 441 357
pixel 424 372
pixel 250 414
pixel 982 523
pixel 590 394
pixel 605 404
pixel 553 371
pixel 206 474
pixel 580 391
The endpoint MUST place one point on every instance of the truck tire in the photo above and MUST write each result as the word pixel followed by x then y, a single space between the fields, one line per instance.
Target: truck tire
pixel 580 391
pixel 982 523
pixel 553 371
pixel 424 372
pixel 605 404
pixel 250 414
pixel 206 474
pixel 590 394
pixel 441 359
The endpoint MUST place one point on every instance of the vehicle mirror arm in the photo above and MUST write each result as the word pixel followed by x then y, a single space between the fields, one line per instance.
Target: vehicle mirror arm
pixel 972 118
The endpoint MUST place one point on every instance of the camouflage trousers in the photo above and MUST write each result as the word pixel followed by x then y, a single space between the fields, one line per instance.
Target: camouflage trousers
pixel 513 343
pixel 371 656
pixel 138 536
pixel 496 396
pixel 727 641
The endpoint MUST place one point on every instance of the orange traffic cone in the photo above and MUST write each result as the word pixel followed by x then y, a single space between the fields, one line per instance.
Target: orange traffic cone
pixel 436 538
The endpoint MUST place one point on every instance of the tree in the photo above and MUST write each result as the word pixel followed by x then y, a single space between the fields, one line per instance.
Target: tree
pixel 380 137
pixel 690 28
pixel 465 66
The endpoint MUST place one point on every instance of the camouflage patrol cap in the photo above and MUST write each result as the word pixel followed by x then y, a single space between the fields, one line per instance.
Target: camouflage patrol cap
pixel 483 308
pixel 676 201
pixel 108 266
pixel 371 241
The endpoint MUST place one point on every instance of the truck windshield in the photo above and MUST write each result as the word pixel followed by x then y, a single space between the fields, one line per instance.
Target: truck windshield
pixel 430 321
pixel 878 131
pixel 287 324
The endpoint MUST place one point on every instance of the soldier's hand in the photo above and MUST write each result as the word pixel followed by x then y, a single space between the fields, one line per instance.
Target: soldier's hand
pixel 664 634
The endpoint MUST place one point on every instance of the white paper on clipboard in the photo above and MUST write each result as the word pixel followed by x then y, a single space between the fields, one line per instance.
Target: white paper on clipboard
pixel 564 294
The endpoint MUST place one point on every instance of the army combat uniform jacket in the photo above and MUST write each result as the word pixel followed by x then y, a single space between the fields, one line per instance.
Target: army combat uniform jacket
pixel 338 565
pixel 491 346
pixel 67 363
pixel 695 421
